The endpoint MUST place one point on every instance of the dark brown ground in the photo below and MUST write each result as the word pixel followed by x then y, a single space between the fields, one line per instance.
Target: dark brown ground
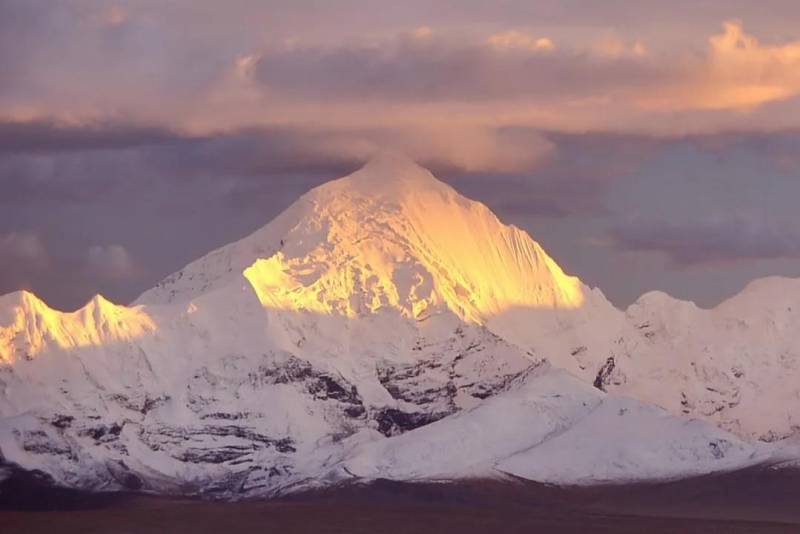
pixel 751 501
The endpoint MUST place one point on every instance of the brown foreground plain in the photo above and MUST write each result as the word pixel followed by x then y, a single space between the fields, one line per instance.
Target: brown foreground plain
pixel 756 500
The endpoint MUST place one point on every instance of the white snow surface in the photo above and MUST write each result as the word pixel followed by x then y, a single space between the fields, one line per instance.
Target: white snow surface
pixel 386 326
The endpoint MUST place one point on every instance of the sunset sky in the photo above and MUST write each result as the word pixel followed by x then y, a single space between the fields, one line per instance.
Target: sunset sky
pixel 645 144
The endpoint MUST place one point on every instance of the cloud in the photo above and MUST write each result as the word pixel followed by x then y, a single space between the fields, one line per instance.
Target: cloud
pixel 50 135
pixel 735 72
pixel 747 73
pixel 443 68
pixel 738 72
pixel 457 147
pixel 611 46
pixel 23 260
pixel 110 262
pixel 516 78
pixel 468 67
pixel 23 248
pixel 423 32
pixel 710 241
pixel 268 149
pixel 519 40
pixel 113 16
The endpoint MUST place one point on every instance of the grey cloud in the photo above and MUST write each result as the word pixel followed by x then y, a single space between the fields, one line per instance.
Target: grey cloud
pixel 444 69
pixel 54 136
pixel 25 248
pixel 573 179
pixel 710 241
pixel 23 260
pixel 110 261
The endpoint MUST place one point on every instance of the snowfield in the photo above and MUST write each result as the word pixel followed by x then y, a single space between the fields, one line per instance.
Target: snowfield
pixel 384 326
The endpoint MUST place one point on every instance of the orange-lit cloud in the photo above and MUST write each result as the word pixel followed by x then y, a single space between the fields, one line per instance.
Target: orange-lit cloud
pixel 443 96
pixel 518 40
pixel 612 46
pixel 423 32
pixel 739 73
pixel 255 68
pixel 114 15
pixel 751 72
pixel 514 78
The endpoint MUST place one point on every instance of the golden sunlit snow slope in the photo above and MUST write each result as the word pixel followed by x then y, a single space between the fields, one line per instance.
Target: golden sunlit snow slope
pixel 28 326
pixel 392 236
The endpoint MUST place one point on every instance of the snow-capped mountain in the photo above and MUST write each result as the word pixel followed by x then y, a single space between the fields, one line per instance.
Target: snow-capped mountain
pixel 385 326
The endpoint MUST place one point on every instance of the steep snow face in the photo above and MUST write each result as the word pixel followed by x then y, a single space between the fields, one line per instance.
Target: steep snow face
pixel 388 236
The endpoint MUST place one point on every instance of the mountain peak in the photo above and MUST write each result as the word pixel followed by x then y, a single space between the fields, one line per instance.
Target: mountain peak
pixel 22 299
pixel 394 164
pixel 388 175
pixel 388 236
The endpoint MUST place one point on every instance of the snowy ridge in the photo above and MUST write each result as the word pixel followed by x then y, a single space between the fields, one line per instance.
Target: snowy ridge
pixel 724 364
pixel 385 326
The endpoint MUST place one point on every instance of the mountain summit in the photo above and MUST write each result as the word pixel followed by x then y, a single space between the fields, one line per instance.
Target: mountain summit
pixel 384 326
pixel 389 236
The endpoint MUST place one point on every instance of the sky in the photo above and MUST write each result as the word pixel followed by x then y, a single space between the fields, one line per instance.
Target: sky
pixel 645 144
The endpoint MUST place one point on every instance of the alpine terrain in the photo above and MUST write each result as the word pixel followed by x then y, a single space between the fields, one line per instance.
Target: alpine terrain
pixel 384 326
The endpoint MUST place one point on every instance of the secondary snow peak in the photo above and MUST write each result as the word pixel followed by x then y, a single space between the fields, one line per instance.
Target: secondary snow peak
pixel 28 326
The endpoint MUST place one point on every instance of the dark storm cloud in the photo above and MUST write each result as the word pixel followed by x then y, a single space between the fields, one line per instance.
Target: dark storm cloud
pixel 712 241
